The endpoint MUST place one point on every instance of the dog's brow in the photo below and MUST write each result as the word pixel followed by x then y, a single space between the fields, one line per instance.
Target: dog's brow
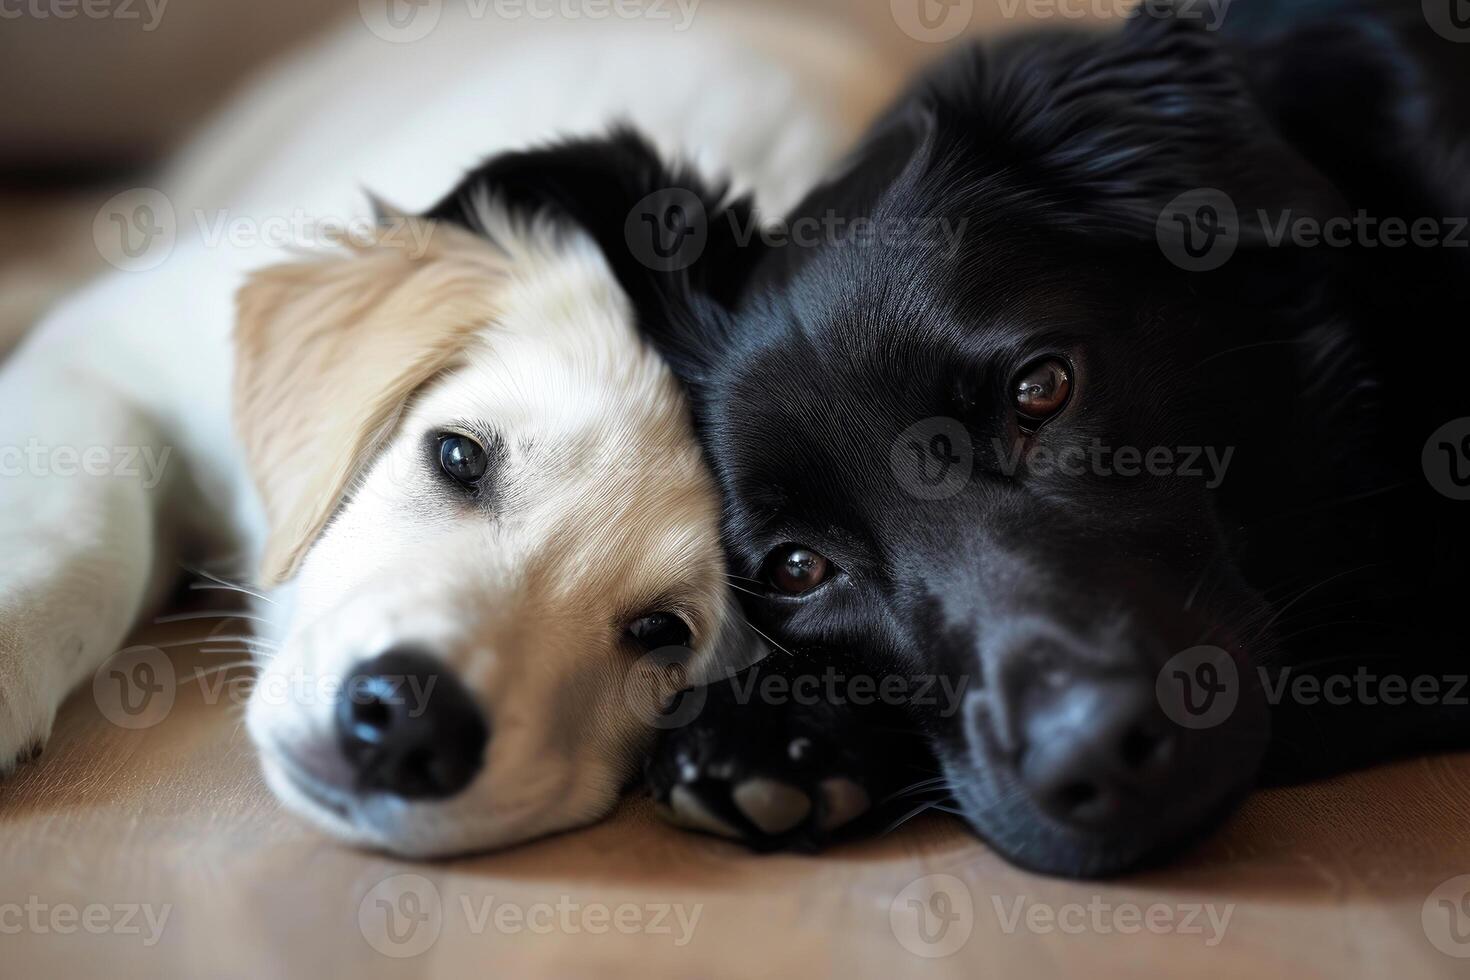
pixel 682 599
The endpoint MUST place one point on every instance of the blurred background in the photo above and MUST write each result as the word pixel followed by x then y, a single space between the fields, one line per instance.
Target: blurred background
pixel 100 93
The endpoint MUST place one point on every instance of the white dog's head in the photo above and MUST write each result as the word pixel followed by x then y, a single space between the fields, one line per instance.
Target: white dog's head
pixel 486 496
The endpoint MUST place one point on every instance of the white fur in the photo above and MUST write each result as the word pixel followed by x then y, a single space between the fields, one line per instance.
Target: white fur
pixel 143 360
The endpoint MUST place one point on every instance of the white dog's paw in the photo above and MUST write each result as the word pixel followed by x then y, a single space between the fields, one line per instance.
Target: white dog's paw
pixel 27 707
pixel 24 730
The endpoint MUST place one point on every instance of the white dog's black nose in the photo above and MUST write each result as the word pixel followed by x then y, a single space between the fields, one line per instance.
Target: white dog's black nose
pixel 407 726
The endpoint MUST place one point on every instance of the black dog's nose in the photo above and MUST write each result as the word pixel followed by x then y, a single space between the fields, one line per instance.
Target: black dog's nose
pixel 1098 752
pixel 408 727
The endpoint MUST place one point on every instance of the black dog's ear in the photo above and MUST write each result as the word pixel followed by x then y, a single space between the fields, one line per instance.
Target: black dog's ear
pixel 1106 130
pixel 667 232
pixel 893 152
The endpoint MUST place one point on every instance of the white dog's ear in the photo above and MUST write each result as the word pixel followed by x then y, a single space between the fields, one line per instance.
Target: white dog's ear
pixel 328 350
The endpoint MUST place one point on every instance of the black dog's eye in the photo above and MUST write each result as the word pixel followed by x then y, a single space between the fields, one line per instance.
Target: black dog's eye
pixel 1042 389
pixel 794 570
pixel 659 629
pixel 462 458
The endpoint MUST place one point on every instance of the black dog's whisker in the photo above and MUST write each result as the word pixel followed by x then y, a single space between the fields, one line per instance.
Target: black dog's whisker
pixel 909 816
pixel 741 578
pixel 921 784
pixel 1247 347
pixel 768 639
pixel 1281 611
pixel 1204 576
pixel 216 582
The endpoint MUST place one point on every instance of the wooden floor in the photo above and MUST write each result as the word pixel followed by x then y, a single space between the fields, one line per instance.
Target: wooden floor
pixel 191 869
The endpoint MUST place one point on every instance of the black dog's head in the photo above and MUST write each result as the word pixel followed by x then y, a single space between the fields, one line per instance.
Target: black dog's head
pixel 971 419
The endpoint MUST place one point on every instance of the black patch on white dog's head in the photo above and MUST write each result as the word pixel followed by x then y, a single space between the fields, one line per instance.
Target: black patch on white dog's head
pixel 599 185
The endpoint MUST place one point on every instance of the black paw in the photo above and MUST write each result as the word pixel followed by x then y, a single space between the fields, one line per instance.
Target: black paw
pixel 777 769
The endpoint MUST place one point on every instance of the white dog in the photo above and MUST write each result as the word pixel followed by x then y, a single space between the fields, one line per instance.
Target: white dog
pixel 472 492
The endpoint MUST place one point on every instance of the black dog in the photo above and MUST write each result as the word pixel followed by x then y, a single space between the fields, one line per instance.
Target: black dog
pixel 935 450
pixel 1071 414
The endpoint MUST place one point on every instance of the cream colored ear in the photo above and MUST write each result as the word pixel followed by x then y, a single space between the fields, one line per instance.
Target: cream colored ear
pixel 328 350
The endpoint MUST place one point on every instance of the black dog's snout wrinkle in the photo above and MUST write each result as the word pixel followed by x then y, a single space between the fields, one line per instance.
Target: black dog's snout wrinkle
pixel 1096 751
pixel 407 726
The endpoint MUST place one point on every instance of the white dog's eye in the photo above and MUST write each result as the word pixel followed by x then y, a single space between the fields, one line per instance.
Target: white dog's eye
pixel 462 458
pixel 659 629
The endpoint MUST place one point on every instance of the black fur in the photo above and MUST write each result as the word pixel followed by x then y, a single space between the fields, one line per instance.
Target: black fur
pixel 1324 551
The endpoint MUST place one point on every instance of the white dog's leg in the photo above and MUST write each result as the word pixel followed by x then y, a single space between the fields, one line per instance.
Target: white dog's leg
pixel 83 474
